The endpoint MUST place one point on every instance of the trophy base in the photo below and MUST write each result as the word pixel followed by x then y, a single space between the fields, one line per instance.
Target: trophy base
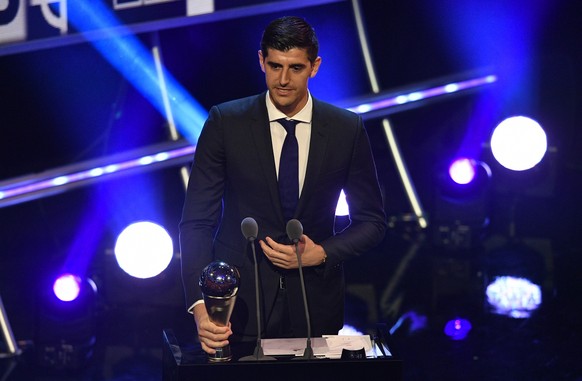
pixel 222 355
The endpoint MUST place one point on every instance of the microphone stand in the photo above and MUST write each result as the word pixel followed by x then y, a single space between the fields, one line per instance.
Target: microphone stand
pixel 258 354
pixel 308 353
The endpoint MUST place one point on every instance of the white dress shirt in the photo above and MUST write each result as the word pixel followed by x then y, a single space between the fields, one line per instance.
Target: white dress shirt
pixel 302 132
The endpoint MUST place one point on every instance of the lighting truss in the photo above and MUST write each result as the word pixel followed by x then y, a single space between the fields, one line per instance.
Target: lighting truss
pixel 61 179
pixel 27 188
pixel 386 103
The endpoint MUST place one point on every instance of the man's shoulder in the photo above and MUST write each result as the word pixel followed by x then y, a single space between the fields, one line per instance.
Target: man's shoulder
pixel 241 105
pixel 329 110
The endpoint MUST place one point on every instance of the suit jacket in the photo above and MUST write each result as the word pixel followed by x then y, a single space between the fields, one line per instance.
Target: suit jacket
pixel 233 176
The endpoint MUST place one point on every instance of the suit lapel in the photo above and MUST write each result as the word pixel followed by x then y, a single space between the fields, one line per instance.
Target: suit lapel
pixel 261 134
pixel 264 147
pixel 317 148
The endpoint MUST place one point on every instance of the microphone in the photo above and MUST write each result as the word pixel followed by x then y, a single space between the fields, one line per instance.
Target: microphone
pixel 250 230
pixel 294 232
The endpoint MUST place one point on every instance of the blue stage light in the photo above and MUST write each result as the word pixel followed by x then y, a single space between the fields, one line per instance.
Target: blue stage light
pixel 462 171
pixel 464 180
pixel 144 249
pixel 67 287
pixel 458 329
pixel 461 207
pixel 66 329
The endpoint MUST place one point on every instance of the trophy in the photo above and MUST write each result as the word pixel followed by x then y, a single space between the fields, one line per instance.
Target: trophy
pixel 219 284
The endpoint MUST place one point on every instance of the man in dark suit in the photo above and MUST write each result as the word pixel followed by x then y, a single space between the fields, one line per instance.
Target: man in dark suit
pixel 235 175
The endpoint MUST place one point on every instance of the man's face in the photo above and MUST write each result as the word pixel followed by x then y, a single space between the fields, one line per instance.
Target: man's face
pixel 287 74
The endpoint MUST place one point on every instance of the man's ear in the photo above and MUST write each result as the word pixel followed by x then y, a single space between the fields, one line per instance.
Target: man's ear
pixel 261 61
pixel 315 67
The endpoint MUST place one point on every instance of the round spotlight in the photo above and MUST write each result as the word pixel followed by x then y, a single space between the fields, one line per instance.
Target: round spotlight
pixel 519 143
pixel 462 171
pixel 144 249
pixel 67 287
pixel 464 179
pixel 458 329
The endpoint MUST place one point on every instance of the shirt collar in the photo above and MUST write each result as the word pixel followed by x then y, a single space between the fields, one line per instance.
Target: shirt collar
pixel 304 116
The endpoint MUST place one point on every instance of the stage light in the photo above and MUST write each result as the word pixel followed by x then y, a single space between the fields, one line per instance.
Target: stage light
pixel 514 275
pixel 464 179
pixel 144 249
pixel 458 329
pixel 519 143
pixel 513 297
pixel 461 204
pixel 462 171
pixel 66 326
pixel 67 287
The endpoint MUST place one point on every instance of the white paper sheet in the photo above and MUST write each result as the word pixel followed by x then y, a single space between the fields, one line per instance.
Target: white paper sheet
pixel 329 346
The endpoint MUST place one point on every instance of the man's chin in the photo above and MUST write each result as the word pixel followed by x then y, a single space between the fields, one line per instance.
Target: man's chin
pixel 283 104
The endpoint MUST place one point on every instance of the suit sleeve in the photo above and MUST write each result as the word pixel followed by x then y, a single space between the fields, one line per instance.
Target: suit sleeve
pixel 367 216
pixel 202 206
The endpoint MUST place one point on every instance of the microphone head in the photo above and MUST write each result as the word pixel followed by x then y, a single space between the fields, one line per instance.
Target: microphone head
pixel 249 228
pixel 294 230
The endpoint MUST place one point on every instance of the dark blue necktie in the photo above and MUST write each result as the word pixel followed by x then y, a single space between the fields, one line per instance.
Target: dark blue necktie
pixel 289 170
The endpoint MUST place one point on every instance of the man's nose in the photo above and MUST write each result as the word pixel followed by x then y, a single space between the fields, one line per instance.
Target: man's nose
pixel 284 78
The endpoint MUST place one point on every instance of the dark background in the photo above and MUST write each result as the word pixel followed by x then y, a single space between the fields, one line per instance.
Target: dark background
pixel 67 104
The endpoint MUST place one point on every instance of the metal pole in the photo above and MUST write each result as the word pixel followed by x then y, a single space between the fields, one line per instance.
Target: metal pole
pixel 392 142
pixel 156 52
pixel 7 335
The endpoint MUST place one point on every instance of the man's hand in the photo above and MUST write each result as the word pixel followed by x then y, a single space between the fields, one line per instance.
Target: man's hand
pixel 284 255
pixel 211 336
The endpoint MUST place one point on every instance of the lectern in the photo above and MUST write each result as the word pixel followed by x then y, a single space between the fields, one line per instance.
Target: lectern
pixel 183 361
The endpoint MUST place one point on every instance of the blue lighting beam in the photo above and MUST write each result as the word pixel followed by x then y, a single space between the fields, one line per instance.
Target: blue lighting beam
pixel 125 52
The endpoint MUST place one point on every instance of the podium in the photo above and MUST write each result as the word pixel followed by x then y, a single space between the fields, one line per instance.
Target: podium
pixel 183 361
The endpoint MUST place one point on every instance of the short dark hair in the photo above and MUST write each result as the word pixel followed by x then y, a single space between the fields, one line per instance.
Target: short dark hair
pixel 290 32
